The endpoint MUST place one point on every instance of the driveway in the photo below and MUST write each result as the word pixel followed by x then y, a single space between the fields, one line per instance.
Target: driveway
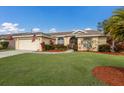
pixel 12 52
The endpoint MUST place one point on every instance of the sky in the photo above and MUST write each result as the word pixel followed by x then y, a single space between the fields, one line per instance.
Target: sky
pixel 51 18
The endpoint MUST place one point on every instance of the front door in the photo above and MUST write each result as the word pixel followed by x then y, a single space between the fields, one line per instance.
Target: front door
pixel 73 43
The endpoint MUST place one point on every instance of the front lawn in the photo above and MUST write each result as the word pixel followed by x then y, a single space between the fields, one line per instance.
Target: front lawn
pixel 57 69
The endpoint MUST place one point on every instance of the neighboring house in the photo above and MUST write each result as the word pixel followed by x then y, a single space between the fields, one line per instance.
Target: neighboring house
pixel 5 38
pixel 83 39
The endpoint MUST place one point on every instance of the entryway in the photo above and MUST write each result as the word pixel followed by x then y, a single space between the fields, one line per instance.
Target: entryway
pixel 73 43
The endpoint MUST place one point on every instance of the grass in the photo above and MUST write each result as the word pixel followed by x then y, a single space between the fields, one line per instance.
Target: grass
pixel 57 69
pixel 8 49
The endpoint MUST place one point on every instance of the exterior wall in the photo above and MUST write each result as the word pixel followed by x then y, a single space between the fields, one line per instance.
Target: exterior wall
pixel 25 43
pixel 16 43
pixel 46 40
pixel 66 40
pixel 56 41
pixel 35 46
pixel 95 44
pixel 96 41
pixel 80 45
pixel 102 40
pixel 11 43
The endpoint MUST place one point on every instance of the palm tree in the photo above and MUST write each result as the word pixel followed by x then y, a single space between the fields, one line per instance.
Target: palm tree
pixel 119 13
pixel 100 25
pixel 114 27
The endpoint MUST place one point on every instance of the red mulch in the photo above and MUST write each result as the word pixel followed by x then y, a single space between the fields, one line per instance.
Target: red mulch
pixel 110 75
pixel 110 53
pixel 55 51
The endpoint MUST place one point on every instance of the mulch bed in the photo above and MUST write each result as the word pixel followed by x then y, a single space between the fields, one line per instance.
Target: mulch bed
pixel 110 53
pixel 110 75
pixel 55 51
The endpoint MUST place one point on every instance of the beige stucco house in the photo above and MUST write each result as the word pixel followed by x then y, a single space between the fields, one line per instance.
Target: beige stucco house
pixel 83 39
pixel 24 41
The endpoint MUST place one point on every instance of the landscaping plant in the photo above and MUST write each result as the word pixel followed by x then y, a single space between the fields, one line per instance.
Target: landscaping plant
pixel 4 44
pixel 104 48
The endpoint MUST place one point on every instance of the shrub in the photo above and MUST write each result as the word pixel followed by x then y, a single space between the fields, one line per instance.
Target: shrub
pixel 49 47
pixel 42 45
pixel 119 47
pixel 51 42
pixel 60 47
pixel 104 48
pixel 4 44
pixel 1 47
pixel 55 47
pixel 75 48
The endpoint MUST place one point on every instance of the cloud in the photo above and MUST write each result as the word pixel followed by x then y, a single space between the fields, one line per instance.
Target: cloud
pixel 9 28
pixel 52 30
pixel 36 30
pixel 88 29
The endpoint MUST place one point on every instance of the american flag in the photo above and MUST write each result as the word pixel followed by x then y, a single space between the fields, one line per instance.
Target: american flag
pixel 34 37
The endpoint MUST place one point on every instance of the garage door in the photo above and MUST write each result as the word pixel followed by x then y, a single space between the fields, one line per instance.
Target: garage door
pixel 28 44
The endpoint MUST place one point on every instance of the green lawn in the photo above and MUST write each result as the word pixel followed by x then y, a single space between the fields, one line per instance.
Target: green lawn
pixel 58 69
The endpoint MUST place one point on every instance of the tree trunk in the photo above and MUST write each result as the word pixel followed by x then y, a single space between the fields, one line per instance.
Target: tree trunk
pixel 113 46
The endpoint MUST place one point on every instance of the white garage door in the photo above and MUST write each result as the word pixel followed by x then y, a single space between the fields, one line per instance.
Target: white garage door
pixel 28 44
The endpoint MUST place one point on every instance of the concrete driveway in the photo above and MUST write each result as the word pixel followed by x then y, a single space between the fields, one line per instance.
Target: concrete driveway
pixel 12 52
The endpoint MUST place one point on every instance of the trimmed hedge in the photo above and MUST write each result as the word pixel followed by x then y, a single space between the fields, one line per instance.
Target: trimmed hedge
pixel 60 47
pixel 4 45
pixel 104 48
pixel 49 47
pixel 1 47
pixel 53 47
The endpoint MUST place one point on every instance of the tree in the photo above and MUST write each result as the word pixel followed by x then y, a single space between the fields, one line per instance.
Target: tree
pixel 119 13
pixel 100 25
pixel 114 27
pixel 119 33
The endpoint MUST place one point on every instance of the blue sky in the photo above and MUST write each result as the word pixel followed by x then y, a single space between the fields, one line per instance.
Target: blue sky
pixel 59 18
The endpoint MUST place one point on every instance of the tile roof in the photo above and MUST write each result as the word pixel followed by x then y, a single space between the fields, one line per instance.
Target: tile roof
pixel 61 33
pixel 27 33
pixel 85 32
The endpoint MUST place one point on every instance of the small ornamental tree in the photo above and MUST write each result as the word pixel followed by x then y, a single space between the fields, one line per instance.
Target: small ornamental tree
pixel 43 46
pixel 10 37
pixel 51 42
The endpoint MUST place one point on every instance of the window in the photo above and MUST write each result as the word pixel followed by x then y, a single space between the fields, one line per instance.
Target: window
pixel 87 43
pixel 61 40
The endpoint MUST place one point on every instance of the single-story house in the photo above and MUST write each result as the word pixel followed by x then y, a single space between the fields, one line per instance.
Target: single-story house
pixel 24 41
pixel 83 39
